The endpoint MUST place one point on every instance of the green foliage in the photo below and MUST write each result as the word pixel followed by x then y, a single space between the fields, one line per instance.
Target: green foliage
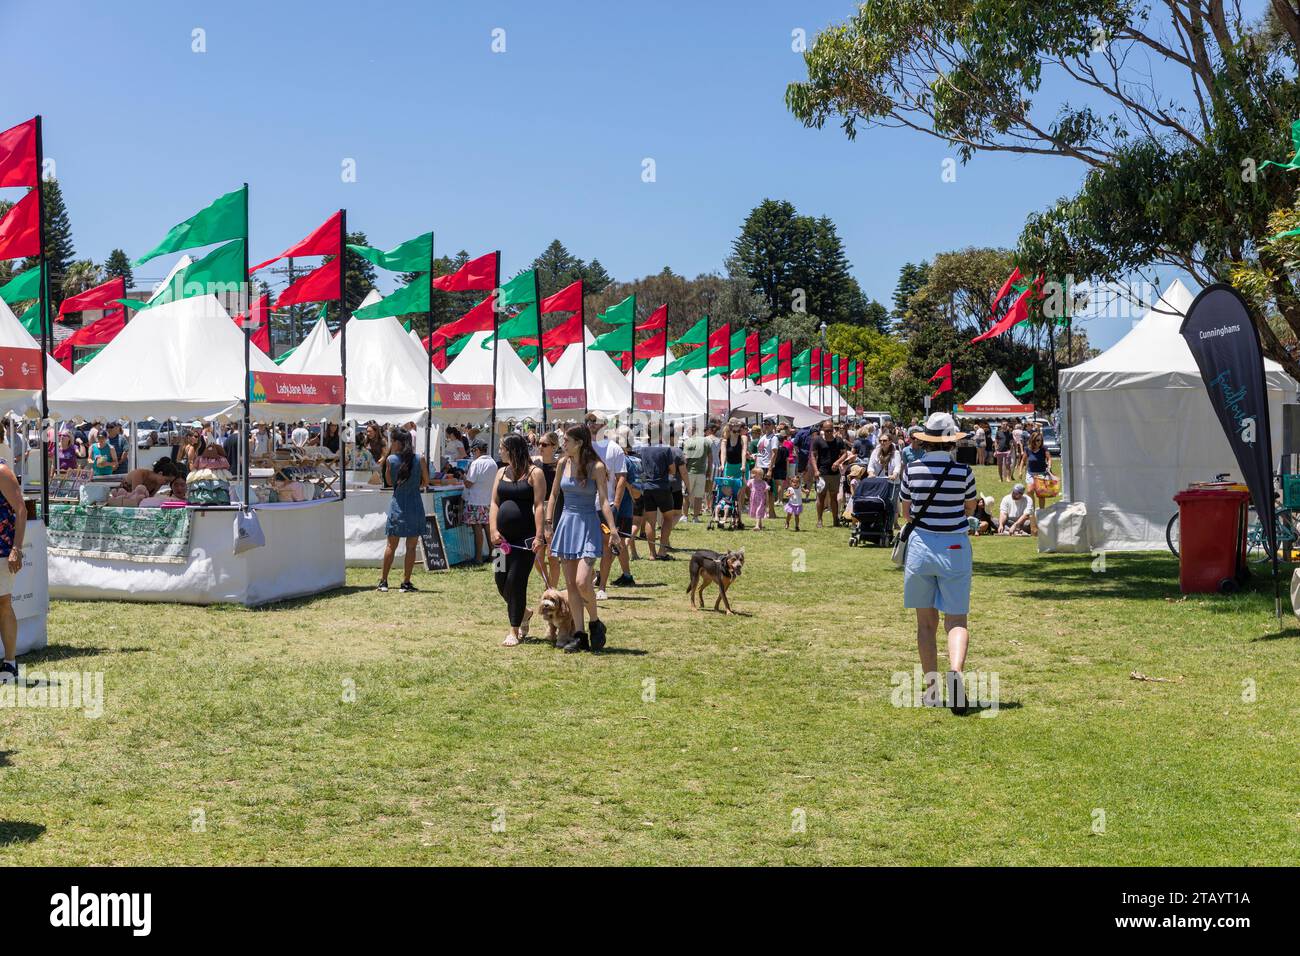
pixel 117 264
pixel 59 250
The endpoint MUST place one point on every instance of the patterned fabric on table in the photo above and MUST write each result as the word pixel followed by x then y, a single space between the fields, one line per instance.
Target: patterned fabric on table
pixel 158 535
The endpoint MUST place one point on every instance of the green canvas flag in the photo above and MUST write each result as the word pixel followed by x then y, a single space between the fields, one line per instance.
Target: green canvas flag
pixel 1027 380
pixel 695 358
pixel 641 364
pixel 619 340
pixel 619 314
pixel 222 269
pixel 802 375
pixel 26 285
pixel 86 358
pixel 455 348
pixel 770 346
pixel 279 359
pixel 135 305
pixel 738 339
pixel 408 299
pixel 802 360
pixel 406 326
pixel 413 255
pixel 521 290
pixel 523 325
pixel 695 335
pixel 31 319
pixel 224 219
pixel 769 366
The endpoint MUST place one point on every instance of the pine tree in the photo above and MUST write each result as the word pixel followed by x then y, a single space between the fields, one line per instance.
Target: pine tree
pixel 58 241
pixel 594 278
pixel 911 277
pixel 117 264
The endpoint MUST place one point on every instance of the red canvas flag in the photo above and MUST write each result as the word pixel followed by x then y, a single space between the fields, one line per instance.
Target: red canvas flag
pixel 721 336
pixel 784 359
pixel 439 356
pixel 319 285
pixel 262 337
pixel 476 275
pixel 477 319
pixel 826 368
pixel 718 358
pixel 653 346
pixel 100 332
pixel 568 332
pixel 625 362
pixel 261 308
pixel 1018 312
pixel 100 297
pixel 20 234
pixel 844 371
pixel 658 320
pixel 1006 288
pixel 945 373
pixel 568 299
pixel 18 155
pixel 861 376
pixel 324 241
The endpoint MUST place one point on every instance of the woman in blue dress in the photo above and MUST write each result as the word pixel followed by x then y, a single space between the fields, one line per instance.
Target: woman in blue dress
pixel 578 539
pixel 407 474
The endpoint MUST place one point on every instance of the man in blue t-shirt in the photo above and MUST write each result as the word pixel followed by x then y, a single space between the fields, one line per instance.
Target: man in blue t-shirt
pixel 659 462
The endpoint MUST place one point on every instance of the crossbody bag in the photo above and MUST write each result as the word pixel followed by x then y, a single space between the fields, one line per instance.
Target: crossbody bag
pixel 899 554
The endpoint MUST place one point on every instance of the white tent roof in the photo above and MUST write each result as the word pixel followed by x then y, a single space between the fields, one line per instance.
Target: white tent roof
pixel 387 381
pixel 767 402
pixel 994 396
pixel 681 398
pixel 518 394
pixel 14 336
pixel 607 390
pixel 1153 353
pixel 181 360
pixel 1138 427
pixel 310 349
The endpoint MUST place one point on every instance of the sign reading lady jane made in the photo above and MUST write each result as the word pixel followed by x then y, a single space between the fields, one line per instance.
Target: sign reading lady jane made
pixel 278 388
pixel 20 368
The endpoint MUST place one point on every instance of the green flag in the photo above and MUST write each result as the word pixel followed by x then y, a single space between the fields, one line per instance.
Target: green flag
pixel 413 255
pixel 1027 380
pixel 408 299
pixel 802 360
pixel 770 346
pixel 769 367
pixel 521 290
pixel 802 375
pixel 523 325
pixel 222 269
pixel 279 359
pixel 695 358
pixel 695 335
pixel 406 326
pixel 26 285
pixel 619 314
pixel 31 320
pixel 454 348
pixel 224 219
pixel 619 340
pixel 86 358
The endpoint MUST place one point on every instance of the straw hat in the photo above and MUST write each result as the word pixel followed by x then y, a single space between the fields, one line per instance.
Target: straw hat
pixel 940 429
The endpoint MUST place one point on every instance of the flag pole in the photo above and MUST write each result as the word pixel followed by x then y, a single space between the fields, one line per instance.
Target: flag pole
pixel 343 351
pixel 248 341
pixel 631 407
pixel 663 407
pixel 582 332
pixel 428 395
pixel 541 353
pixel 708 412
pixel 44 293
pixel 496 323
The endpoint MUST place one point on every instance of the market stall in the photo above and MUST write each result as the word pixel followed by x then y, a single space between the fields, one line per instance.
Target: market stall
pixel 582 380
pixel 185 360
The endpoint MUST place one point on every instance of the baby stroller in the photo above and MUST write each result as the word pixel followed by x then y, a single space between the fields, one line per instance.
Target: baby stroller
pixel 873 510
pixel 725 513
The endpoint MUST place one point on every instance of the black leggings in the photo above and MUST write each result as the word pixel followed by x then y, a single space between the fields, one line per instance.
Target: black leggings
pixel 513 582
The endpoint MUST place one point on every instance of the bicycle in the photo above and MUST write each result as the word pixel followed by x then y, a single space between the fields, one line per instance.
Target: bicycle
pixel 1172 536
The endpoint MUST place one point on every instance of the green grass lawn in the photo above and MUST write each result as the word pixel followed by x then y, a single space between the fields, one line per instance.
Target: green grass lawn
pixel 697 738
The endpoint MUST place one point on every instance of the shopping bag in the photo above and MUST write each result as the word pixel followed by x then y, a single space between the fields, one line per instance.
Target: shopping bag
pixel 248 532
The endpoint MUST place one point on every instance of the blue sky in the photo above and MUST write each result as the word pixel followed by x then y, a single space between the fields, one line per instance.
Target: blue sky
pixel 491 150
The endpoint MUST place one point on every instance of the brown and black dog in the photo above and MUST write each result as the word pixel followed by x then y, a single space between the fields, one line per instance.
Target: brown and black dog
pixel 710 567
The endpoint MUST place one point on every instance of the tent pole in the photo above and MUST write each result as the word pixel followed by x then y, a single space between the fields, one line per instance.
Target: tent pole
pixel 496 319
pixel 343 352
pixel 582 328
pixel 248 341
pixel 428 396
pixel 44 292
pixel 541 354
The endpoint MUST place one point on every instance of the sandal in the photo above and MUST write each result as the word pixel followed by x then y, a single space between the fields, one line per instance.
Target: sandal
pixel 523 628
pixel 510 641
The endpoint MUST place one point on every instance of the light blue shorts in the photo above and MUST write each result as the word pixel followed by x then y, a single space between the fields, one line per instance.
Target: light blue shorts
pixel 938 571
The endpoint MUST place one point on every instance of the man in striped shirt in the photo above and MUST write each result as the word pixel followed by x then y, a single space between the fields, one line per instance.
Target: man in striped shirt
pixel 937 495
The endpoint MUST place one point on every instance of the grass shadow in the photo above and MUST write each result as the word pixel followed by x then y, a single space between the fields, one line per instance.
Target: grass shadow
pixel 4 758
pixel 293 604
pixel 14 831
pixel 61 652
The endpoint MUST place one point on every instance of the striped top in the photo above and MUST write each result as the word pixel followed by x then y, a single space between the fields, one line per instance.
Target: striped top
pixel 947 512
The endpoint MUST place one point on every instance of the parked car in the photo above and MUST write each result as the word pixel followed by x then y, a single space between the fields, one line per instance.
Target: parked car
pixel 1052 441
pixel 146 433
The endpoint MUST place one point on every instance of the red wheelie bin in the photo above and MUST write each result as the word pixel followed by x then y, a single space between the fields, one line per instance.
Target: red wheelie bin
pixel 1212 533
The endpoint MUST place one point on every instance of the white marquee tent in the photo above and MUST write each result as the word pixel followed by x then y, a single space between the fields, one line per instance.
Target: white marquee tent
pixel 387 380
pixel 518 394
pixel 682 400
pixel 607 389
pixel 309 350
pixel 1138 427
pixel 14 336
pixel 993 398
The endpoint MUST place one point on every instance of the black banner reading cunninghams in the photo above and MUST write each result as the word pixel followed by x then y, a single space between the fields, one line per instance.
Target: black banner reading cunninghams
pixel 1221 333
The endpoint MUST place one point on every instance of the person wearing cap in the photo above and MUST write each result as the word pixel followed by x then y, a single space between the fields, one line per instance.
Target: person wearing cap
pixel 768 443
pixel 479 479
pixel 1015 516
pixel 937 496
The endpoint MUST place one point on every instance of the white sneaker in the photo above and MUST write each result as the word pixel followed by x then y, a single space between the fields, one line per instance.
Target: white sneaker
pixel 600 594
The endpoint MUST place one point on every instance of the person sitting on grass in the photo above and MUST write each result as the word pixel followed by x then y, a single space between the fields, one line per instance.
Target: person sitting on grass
pixel 981 522
pixel 1015 516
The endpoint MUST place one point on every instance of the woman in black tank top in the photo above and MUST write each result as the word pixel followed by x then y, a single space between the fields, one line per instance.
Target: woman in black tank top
pixel 513 520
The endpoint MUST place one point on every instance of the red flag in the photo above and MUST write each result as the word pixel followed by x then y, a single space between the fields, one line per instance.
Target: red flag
pixel 568 332
pixel 259 322
pixel 100 332
pixel 477 319
pixel 439 356
pixel 720 336
pixel 18 155
pixel 826 368
pixel 1018 312
pixel 1006 288
pixel 719 357
pixel 844 371
pixel 658 320
pixel 20 234
pixel 945 372
pixel 653 346
pixel 324 241
pixel 568 299
pixel 784 359
pixel 100 297
pixel 262 338
pixel 476 275
pixel 626 362
pixel 319 285
pixel 861 375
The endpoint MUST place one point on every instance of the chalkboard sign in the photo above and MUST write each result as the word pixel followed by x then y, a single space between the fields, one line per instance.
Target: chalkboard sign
pixel 435 555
